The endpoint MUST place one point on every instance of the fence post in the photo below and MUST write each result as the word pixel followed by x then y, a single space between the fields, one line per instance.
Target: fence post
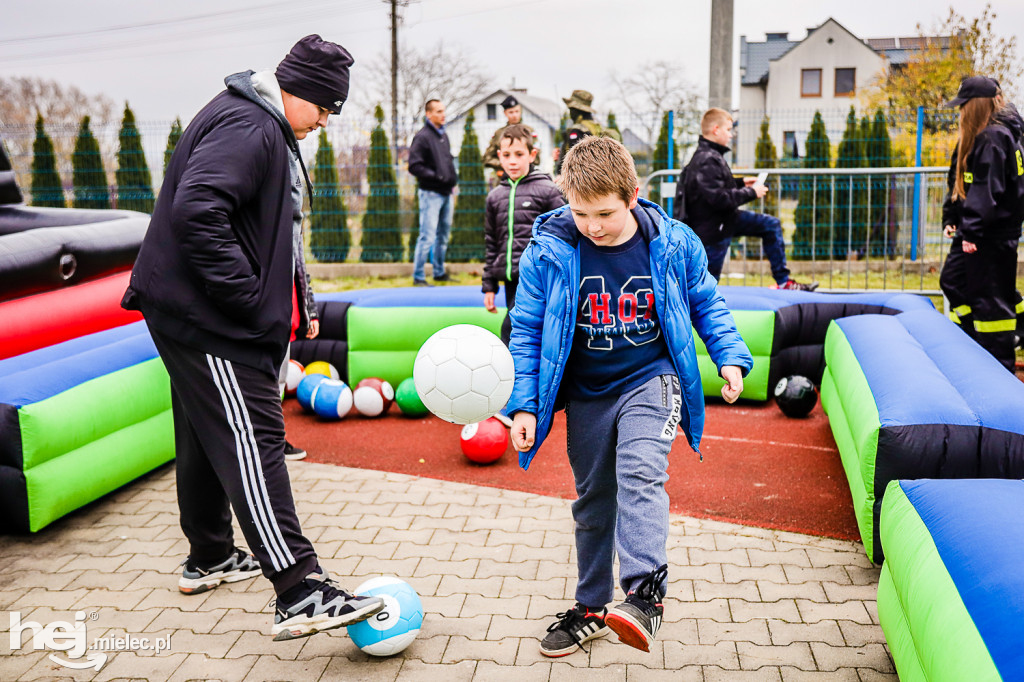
pixel 917 187
pixel 671 148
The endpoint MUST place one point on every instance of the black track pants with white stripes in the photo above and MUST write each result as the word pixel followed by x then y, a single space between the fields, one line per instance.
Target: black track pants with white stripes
pixel 229 442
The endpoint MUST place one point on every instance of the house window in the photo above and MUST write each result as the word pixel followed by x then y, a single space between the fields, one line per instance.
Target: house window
pixel 846 82
pixel 789 148
pixel 810 82
pixel 492 112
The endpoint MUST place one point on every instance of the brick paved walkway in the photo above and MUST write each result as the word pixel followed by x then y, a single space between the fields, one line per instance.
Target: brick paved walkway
pixel 492 567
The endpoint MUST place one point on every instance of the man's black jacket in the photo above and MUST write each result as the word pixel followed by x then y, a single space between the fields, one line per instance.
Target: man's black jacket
pixel 708 196
pixel 430 160
pixel 215 270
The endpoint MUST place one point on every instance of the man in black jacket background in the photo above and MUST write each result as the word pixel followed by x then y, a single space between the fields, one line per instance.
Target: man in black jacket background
pixel 708 200
pixel 214 280
pixel 430 161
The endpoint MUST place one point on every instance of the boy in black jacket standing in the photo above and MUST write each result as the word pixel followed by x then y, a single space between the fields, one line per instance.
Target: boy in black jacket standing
pixel 512 207
pixel 708 200
pixel 214 280
pixel 430 161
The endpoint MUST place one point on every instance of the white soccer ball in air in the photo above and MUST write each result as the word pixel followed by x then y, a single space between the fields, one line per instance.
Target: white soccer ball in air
pixel 464 374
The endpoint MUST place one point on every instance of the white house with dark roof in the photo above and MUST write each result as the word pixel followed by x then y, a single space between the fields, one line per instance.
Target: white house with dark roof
pixel 789 80
pixel 540 114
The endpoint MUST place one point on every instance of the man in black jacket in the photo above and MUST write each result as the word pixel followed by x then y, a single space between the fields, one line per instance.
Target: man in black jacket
pixel 214 280
pixel 430 160
pixel 708 200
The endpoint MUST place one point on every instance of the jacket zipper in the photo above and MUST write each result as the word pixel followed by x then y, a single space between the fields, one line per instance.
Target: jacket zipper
pixel 511 228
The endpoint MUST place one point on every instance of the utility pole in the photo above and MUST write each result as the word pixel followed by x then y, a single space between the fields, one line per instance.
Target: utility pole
pixel 395 4
pixel 720 76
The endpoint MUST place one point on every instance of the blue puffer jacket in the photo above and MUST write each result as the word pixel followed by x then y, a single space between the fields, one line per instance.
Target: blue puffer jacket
pixel 547 297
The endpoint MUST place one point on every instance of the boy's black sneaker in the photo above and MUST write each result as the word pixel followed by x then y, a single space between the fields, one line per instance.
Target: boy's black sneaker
pixel 443 277
pixel 317 605
pixel 293 453
pixel 195 579
pixel 636 620
pixel 572 629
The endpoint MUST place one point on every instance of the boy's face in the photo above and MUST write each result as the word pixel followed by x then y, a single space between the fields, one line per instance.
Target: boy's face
pixel 607 220
pixel 722 133
pixel 514 157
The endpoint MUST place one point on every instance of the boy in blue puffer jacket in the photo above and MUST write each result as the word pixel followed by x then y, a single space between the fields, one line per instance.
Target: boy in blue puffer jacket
pixel 602 325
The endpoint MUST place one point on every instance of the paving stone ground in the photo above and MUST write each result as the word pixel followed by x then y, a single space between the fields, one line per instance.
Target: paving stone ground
pixel 492 567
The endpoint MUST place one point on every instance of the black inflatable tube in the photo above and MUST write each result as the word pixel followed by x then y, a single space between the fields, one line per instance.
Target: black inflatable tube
pixel 49 258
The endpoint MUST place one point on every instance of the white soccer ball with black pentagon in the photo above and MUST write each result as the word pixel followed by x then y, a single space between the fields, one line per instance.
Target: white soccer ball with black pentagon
pixel 394 627
pixel 464 374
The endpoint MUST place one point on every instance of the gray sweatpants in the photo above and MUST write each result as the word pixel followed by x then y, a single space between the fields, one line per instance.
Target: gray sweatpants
pixel 618 449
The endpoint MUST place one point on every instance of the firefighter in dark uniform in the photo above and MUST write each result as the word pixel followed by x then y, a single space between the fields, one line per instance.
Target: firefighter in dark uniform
pixel 583 124
pixel 983 214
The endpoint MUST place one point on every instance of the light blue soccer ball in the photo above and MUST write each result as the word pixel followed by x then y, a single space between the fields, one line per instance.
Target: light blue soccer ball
pixel 304 392
pixel 332 399
pixel 392 629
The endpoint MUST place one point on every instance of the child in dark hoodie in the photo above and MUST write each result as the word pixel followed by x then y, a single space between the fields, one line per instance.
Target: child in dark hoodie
pixel 524 194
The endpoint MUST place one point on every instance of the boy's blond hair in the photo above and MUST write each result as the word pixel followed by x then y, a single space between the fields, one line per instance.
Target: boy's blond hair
pixel 713 117
pixel 597 167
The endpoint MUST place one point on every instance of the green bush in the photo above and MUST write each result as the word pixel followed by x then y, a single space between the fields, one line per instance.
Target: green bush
pixel 329 238
pixel 467 236
pixel 172 141
pixel 812 237
pixel 88 177
pixel 134 182
pixel 381 238
pixel 47 189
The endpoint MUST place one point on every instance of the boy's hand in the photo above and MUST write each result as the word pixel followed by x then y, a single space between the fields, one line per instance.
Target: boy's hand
pixel 949 231
pixel 489 302
pixel 734 386
pixel 524 428
pixel 747 182
pixel 970 247
pixel 760 190
pixel 314 329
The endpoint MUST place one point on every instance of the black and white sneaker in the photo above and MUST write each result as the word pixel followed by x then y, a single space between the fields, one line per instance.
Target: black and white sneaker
pixel 239 566
pixel 319 605
pixel 292 452
pixel 571 630
pixel 636 620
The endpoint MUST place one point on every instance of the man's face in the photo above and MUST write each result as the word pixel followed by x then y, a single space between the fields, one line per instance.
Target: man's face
pixel 436 114
pixel 515 159
pixel 304 117
pixel 722 134
pixel 514 114
pixel 606 221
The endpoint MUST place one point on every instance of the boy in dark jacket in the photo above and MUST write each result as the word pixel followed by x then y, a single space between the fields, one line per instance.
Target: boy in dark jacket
pixel 431 163
pixel 214 279
pixel 709 197
pixel 512 206
pixel 610 292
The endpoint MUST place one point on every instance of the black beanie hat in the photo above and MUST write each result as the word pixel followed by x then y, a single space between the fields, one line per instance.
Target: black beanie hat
pixel 317 71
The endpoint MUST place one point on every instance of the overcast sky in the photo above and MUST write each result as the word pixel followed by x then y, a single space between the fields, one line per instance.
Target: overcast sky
pixel 144 53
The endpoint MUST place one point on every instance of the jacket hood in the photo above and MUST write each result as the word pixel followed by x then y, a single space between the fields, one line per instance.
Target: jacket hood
pixel 533 175
pixel 1010 117
pixel 241 84
pixel 560 224
pixel 705 143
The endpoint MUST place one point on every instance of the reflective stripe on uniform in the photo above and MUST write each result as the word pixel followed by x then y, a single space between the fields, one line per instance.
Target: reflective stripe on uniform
pixel 993 326
pixel 962 311
pixel 1020 307
pixel 1020 162
pixel 968 177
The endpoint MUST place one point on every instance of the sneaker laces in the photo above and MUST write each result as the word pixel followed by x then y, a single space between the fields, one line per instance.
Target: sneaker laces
pixel 567 620
pixel 649 588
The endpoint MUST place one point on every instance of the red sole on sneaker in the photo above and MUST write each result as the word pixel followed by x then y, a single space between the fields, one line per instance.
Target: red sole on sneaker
pixel 628 633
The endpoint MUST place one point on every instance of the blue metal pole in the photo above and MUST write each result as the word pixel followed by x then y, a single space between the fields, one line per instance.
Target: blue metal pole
pixel 671 148
pixel 917 187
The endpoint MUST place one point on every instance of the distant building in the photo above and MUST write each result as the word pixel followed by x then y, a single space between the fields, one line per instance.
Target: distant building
pixel 540 114
pixel 788 80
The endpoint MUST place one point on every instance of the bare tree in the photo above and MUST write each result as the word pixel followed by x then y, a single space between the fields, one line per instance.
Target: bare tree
pixel 442 71
pixel 62 108
pixel 654 88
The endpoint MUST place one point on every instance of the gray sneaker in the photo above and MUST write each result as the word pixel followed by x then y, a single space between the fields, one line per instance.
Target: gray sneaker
pixel 239 566
pixel 320 606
